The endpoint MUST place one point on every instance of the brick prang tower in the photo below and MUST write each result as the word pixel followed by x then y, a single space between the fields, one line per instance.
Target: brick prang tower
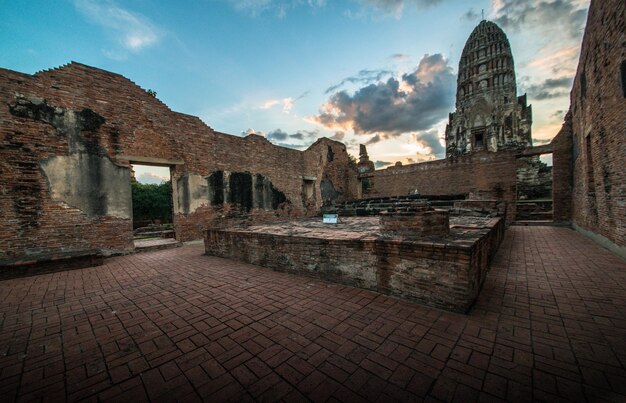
pixel 489 115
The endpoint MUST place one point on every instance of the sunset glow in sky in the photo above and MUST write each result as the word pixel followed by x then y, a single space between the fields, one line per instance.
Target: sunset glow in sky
pixel 375 72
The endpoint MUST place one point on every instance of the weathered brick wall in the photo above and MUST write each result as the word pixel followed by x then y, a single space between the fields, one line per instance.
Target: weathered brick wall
pixel 562 172
pixel 81 110
pixel 419 223
pixel 493 174
pixel 447 276
pixel 492 206
pixel 598 124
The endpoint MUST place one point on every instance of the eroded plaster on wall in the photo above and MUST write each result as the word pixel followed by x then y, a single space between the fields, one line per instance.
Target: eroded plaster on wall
pixel 90 183
pixel 87 178
pixel 191 193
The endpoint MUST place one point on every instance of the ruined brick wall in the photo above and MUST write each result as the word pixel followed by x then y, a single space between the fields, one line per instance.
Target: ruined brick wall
pixel 562 172
pixel 86 125
pixel 598 115
pixel 486 173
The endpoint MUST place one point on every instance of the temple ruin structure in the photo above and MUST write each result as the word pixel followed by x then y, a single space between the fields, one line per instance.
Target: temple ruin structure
pixel 489 115
pixel 69 135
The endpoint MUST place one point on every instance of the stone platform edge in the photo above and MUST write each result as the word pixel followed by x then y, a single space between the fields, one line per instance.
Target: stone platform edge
pixel 441 275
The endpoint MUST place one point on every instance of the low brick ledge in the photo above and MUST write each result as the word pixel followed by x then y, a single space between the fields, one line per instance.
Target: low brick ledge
pixel 442 273
pixel 25 266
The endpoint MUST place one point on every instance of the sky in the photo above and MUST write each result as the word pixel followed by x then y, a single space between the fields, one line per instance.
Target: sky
pixel 374 72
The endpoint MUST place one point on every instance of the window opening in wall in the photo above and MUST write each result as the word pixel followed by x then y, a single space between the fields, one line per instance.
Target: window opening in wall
pixel 308 191
pixel 152 205
pixel 479 138
pixel 534 188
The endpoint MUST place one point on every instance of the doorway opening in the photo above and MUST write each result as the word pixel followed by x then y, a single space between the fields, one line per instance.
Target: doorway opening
pixel 152 205
pixel 534 188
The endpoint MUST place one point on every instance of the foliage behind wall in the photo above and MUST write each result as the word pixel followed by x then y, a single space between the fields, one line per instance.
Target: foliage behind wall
pixel 152 202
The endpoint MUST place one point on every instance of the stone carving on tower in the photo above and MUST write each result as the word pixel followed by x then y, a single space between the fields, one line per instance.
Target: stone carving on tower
pixel 489 115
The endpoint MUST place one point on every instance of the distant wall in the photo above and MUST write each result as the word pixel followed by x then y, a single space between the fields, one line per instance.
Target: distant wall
pixel 598 127
pixel 68 136
pixel 492 175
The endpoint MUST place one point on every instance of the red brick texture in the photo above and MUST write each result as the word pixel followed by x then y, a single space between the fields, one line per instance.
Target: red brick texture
pixel 487 173
pixel 439 272
pixel 127 121
pixel 562 179
pixel 178 325
pixel 598 116
pixel 416 224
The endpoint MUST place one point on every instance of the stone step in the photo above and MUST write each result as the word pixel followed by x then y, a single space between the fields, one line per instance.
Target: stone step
pixel 153 228
pixel 548 223
pixel 154 234
pixel 155 244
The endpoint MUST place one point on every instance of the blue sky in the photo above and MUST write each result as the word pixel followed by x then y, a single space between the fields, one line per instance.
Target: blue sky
pixel 294 70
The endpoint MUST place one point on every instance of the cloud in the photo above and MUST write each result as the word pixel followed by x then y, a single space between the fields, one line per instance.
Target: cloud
pixel 361 9
pixel 413 102
pixel 394 8
pixel 286 103
pixel 292 145
pixel 113 55
pixel 560 114
pixel 470 15
pixel 339 136
pixel 279 8
pixel 550 88
pixel 362 77
pixel 551 61
pixel 252 131
pixel 133 30
pixel 151 178
pixel 400 57
pixel 374 140
pixel 430 141
pixel 381 164
pixel 279 136
pixel 565 15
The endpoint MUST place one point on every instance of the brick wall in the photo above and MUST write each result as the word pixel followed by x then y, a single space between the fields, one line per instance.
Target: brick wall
pixel 439 274
pixel 417 223
pixel 492 174
pixel 598 125
pixel 114 119
pixel 562 172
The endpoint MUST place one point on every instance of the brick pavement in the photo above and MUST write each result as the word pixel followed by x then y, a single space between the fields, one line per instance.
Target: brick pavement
pixel 550 325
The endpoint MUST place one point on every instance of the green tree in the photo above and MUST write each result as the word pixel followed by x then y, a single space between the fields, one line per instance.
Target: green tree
pixel 152 202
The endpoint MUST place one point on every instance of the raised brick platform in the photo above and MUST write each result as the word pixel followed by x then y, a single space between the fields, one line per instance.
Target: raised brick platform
pixel 441 271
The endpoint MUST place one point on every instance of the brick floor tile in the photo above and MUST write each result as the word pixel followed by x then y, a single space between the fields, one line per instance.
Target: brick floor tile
pixel 443 388
pixel 549 325
pixel 465 394
pixel 263 384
